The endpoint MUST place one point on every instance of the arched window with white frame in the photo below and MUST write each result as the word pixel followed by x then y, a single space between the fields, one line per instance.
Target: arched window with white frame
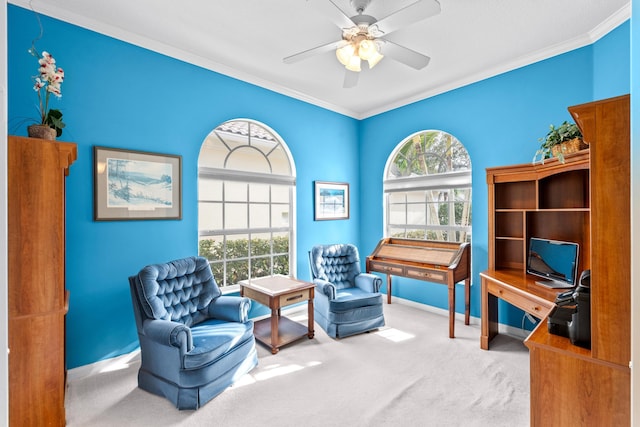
pixel 246 198
pixel 427 189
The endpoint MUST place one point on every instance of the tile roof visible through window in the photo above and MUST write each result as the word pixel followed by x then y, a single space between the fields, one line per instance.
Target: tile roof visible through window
pixel 242 128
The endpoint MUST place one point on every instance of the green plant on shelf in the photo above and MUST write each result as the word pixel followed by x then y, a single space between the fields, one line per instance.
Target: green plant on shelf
pixel 556 136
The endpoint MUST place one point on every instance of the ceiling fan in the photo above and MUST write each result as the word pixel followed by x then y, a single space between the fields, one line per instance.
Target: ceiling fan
pixel 363 36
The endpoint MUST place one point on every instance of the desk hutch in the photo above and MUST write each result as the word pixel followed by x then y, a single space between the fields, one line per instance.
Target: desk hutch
pixel 584 200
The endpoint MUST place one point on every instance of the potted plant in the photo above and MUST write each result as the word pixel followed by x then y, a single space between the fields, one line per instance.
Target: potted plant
pixel 47 82
pixel 559 141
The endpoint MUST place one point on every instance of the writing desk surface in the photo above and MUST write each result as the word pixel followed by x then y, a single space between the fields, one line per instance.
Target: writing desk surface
pixel 516 278
pixel 436 256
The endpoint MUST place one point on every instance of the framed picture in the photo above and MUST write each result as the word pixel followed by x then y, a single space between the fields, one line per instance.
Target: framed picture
pixel 331 200
pixel 131 185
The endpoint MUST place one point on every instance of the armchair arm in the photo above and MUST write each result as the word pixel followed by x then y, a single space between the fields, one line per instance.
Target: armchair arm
pixel 168 333
pixel 325 288
pixel 231 308
pixel 368 282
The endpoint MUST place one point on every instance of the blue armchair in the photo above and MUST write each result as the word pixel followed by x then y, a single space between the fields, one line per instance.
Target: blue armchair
pixel 346 301
pixel 194 341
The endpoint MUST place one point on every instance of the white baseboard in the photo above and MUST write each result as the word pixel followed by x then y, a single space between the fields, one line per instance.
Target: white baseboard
pixel 107 365
pixel 441 311
pixel 502 329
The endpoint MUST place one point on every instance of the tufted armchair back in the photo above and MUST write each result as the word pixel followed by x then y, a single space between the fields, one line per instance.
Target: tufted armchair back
pixel 338 264
pixel 179 290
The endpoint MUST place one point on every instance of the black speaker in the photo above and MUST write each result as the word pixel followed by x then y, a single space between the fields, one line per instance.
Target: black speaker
pixel 580 324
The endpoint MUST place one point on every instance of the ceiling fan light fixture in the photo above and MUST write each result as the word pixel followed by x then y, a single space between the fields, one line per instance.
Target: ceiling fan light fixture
pixel 366 49
pixel 375 58
pixel 344 53
pixel 356 47
pixel 354 64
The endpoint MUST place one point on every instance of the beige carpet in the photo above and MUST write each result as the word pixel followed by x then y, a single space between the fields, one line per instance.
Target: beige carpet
pixel 406 374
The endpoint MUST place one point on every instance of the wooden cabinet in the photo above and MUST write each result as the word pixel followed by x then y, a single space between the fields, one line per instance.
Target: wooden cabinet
pixel 585 200
pixel 37 299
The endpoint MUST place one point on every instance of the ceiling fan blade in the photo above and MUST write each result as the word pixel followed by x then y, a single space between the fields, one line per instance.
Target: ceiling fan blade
pixel 310 52
pixel 405 55
pixel 408 15
pixel 333 12
pixel 350 79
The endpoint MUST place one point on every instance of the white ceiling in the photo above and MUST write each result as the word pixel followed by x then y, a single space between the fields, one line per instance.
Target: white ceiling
pixel 468 41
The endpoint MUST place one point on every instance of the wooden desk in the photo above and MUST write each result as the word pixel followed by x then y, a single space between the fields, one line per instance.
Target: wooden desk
pixel 276 292
pixel 446 263
pixel 584 199
pixel 517 288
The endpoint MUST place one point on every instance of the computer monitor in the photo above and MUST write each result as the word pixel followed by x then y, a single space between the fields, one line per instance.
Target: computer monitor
pixel 553 260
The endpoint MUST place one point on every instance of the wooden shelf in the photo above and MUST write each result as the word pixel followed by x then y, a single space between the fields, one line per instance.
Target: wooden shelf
pixel 288 331
pixel 548 200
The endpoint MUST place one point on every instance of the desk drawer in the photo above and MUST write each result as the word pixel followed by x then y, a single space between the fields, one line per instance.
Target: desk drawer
pixel 527 302
pixel 294 297
pixel 427 275
pixel 395 270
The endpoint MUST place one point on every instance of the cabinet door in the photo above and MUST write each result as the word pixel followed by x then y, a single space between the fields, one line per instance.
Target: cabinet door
pixel 576 391
pixel 36 227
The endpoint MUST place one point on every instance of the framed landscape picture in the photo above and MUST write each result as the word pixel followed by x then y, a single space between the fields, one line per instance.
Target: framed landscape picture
pixel 132 185
pixel 331 200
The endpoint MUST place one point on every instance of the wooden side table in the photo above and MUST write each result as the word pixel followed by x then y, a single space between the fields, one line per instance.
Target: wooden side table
pixel 276 292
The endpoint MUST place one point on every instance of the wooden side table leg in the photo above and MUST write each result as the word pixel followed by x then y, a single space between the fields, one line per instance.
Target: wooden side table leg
pixel 452 308
pixel 388 288
pixel 274 330
pixel 467 300
pixel 310 317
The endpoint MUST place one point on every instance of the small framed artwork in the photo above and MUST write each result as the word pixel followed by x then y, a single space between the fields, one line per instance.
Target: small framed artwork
pixel 130 185
pixel 331 200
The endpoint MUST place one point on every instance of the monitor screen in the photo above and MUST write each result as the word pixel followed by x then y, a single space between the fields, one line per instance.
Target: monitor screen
pixel 554 260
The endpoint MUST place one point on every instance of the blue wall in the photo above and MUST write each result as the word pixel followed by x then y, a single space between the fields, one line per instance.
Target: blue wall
pixel 499 120
pixel 612 63
pixel 119 95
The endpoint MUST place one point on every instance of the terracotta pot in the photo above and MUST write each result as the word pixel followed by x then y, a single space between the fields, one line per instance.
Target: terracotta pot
pixel 41 131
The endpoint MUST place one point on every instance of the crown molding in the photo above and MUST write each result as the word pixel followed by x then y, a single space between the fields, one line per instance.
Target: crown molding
pixel 604 28
pixel 591 37
pixel 121 34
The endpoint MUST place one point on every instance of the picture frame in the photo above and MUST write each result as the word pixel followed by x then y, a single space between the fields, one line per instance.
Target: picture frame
pixel 136 185
pixel 331 200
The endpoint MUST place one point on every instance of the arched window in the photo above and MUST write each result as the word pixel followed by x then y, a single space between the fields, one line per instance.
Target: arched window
pixel 427 189
pixel 246 190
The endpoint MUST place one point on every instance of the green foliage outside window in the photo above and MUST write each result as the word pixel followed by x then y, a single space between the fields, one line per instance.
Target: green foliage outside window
pixel 448 210
pixel 430 153
pixel 237 254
